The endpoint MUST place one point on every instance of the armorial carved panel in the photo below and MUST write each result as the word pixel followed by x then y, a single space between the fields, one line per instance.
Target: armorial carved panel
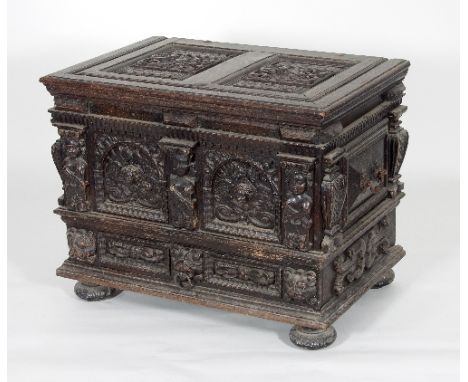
pixel 241 195
pixel 130 177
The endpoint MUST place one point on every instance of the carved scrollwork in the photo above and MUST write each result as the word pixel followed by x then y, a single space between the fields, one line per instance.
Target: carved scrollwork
pixel 187 266
pixel 244 273
pixel 82 244
pixel 360 256
pixel 69 154
pixel 300 285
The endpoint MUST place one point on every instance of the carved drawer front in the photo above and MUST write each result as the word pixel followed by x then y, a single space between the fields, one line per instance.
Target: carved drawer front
pixel 367 176
pixel 241 194
pixel 134 255
pixel 243 277
pixel 129 174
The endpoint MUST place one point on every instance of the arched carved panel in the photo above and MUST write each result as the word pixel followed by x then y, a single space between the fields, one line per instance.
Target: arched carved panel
pixel 241 196
pixel 130 179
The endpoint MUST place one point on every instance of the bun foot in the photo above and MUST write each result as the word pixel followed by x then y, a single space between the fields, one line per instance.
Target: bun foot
pixel 91 292
pixel 386 279
pixel 312 339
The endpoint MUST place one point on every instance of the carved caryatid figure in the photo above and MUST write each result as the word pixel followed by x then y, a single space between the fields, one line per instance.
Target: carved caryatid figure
pixel 69 157
pixel 182 199
pixel 297 214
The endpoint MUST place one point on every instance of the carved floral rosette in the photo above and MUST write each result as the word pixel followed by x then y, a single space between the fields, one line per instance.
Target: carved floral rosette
pixel 240 196
pixel 82 245
pixel 360 256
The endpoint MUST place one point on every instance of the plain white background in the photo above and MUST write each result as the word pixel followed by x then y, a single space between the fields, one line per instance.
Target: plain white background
pixel 407 332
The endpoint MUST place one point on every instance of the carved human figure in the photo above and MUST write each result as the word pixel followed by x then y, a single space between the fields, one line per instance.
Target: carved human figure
pixel 73 174
pixel 297 219
pixel 182 193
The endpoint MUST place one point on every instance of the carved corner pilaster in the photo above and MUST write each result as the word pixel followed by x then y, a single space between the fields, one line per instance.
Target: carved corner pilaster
pixel 333 198
pixel 397 144
pixel 297 174
pixel 69 154
pixel 182 201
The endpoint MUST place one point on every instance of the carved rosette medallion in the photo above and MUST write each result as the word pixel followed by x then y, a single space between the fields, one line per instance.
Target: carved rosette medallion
pixel 82 245
pixel 360 256
pixel 240 196
pixel 297 183
pixel 300 286
pixel 187 266
pixel 69 154
pixel 182 201
pixel 129 178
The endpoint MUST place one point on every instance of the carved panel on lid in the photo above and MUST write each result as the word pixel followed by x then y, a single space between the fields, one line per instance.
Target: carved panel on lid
pixel 176 62
pixel 290 74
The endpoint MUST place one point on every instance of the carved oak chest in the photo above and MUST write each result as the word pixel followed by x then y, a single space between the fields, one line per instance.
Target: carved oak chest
pixel 257 180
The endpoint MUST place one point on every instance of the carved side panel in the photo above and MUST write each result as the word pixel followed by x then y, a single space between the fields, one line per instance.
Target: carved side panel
pixel 240 195
pixel 300 286
pixel 182 201
pixel 360 256
pixel 82 244
pixel 69 154
pixel 187 266
pixel 129 176
pixel 135 255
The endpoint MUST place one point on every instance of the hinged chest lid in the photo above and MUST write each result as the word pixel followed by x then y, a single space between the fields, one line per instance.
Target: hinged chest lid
pixel 283 85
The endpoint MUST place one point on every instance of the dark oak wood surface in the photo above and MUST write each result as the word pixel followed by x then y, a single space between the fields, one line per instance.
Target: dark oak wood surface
pixel 253 179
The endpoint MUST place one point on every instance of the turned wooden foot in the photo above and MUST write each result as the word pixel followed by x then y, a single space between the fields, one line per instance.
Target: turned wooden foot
pixel 312 339
pixel 91 292
pixel 386 279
